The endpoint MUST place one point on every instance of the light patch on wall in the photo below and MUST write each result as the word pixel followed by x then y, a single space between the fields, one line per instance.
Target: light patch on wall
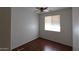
pixel 52 23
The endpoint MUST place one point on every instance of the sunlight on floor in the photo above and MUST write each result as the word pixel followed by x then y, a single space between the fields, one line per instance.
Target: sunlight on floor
pixel 47 48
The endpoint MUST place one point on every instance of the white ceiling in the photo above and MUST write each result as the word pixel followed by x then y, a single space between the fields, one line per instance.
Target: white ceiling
pixel 55 8
pixel 50 9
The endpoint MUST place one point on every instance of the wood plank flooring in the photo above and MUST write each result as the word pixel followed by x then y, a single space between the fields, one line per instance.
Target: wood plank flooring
pixel 41 44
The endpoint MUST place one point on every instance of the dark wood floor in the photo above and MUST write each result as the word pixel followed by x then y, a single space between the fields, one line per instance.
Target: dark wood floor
pixel 43 45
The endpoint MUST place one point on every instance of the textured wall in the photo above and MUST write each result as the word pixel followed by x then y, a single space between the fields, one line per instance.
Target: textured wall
pixel 24 26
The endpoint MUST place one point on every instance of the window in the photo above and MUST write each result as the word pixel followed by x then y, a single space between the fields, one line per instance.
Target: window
pixel 52 23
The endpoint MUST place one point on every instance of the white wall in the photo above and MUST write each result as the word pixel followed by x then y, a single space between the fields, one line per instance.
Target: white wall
pixel 65 36
pixel 24 26
pixel 75 15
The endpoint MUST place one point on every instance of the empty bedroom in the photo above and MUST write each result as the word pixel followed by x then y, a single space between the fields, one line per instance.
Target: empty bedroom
pixel 39 28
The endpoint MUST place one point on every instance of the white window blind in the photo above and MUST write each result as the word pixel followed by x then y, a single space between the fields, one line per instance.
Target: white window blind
pixel 52 23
